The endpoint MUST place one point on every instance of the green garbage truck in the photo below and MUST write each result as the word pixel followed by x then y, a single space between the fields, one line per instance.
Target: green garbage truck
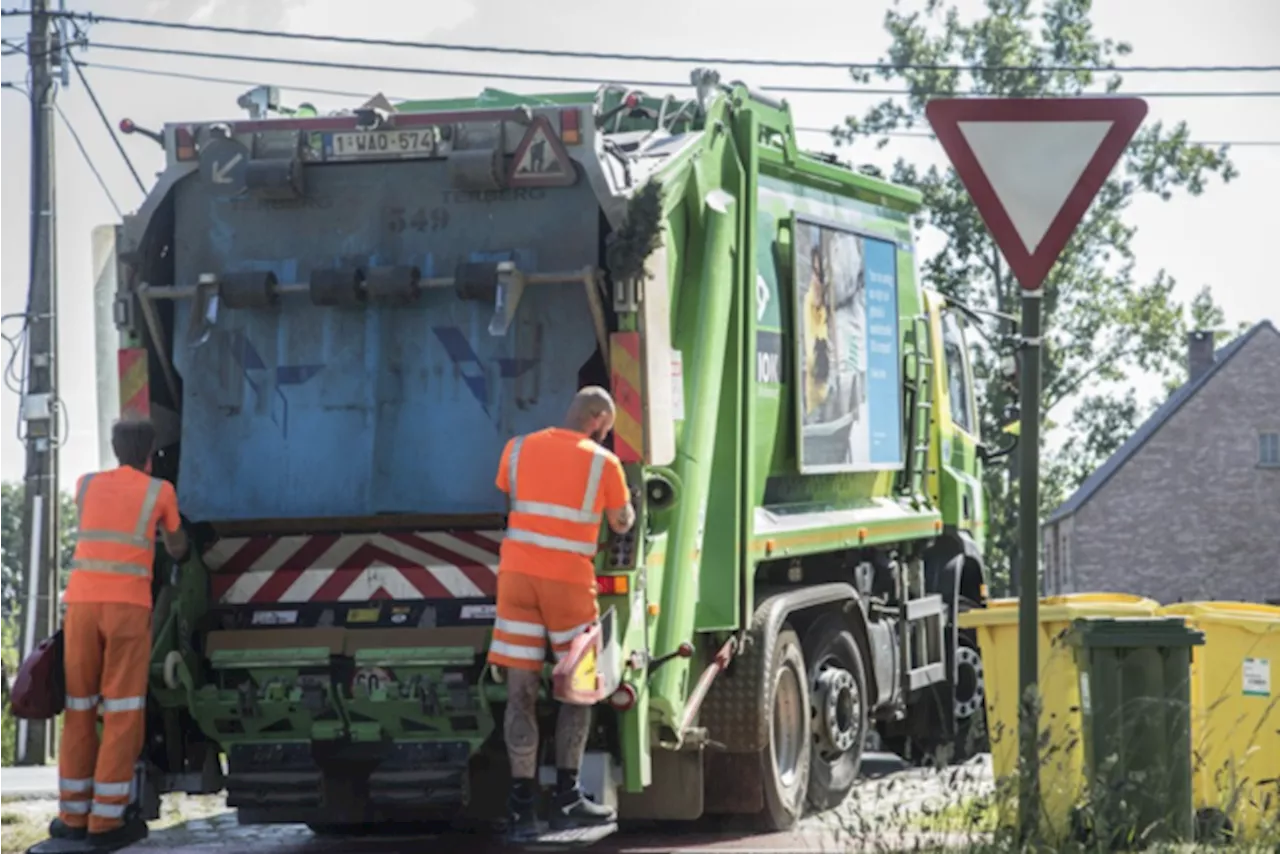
pixel 336 322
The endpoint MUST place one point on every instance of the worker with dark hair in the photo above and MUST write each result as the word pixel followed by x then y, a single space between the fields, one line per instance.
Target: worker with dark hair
pixel 107 635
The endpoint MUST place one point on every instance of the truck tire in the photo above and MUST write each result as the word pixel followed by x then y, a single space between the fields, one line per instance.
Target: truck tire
pixel 838 702
pixel 785 761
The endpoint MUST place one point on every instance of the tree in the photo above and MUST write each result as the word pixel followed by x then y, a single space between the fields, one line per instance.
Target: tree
pixel 13 584
pixel 1103 328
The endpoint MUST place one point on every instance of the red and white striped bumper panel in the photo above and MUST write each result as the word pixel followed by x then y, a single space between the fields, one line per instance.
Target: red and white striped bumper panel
pixel 354 567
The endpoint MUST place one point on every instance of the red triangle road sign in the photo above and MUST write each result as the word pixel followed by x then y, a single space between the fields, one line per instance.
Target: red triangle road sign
pixel 1034 165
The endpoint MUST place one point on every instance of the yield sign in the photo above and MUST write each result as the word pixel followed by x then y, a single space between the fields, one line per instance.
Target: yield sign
pixel 1033 166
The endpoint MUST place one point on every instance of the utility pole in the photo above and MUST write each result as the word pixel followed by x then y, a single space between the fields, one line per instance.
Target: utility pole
pixel 40 411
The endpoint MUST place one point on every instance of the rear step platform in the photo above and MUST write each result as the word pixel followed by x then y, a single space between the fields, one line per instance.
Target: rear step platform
pixel 566 840
pixel 74 846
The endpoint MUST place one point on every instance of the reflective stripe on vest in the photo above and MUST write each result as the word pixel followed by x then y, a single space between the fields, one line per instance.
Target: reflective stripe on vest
pixel 582 514
pixel 138 537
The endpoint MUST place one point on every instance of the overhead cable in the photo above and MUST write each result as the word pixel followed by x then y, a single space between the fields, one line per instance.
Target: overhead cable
pixel 363 95
pixel 592 81
pixel 638 57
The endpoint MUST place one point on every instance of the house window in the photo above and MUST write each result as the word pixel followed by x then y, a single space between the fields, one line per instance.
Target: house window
pixel 1269 449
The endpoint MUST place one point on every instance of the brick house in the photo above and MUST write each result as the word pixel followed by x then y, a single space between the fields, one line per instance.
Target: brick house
pixel 1189 507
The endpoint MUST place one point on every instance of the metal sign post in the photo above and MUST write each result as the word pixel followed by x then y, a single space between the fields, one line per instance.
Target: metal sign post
pixel 1032 167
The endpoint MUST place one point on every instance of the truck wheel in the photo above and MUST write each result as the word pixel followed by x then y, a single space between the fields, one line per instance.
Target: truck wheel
pixel 785 761
pixel 837 693
pixel 970 695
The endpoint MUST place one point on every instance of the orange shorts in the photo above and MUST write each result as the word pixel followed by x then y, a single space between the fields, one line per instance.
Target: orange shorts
pixel 533 611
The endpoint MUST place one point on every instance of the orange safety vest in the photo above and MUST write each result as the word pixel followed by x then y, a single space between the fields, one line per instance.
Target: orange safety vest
pixel 554 508
pixel 115 542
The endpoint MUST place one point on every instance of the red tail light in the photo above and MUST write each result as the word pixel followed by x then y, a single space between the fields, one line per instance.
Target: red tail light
pixel 570 133
pixel 612 585
pixel 185 143
pixel 624 699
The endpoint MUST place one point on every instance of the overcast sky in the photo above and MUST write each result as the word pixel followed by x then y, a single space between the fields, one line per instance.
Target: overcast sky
pixel 1225 238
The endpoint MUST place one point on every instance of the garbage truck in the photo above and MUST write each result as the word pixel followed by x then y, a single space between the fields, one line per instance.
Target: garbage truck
pixel 335 323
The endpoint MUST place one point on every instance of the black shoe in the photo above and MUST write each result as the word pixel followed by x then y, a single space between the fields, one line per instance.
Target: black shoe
pixel 133 830
pixel 573 809
pixel 59 829
pixel 522 820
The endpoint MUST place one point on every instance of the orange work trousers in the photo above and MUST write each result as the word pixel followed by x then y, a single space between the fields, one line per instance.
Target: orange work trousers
pixel 533 611
pixel 107 652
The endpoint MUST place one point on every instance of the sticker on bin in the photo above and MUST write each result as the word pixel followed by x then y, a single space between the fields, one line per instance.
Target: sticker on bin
pixel 1257 677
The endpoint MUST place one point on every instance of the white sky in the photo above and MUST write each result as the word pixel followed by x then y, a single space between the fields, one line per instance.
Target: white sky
pixel 1224 238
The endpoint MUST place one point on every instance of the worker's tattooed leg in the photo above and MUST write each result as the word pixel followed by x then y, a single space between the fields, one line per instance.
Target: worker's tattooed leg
pixel 572 726
pixel 521 722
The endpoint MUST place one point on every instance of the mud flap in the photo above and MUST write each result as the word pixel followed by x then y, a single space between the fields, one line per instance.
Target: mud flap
pixel 567 840
pixel 592 668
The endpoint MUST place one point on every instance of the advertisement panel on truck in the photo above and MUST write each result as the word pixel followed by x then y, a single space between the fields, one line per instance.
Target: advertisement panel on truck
pixel 848 394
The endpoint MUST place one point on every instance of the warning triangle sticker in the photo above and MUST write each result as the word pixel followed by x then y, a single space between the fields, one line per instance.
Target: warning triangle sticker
pixel 541 159
pixel 1033 166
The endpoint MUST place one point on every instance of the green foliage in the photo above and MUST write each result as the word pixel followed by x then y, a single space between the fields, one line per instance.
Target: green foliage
pixel 14 545
pixel 8 665
pixel 639 236
pixel 1103 327
pixel 12 585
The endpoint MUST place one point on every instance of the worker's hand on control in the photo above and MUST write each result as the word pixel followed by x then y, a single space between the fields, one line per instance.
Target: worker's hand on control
pixel 622 519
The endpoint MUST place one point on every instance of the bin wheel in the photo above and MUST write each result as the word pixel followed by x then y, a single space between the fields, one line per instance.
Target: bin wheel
pixel 1213 826
pixel 171 663
pixel 838 711
pixel 785 760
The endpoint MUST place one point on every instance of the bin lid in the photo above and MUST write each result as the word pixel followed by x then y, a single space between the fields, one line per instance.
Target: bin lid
pixel 1250 616
pixel 1061 609
pixel 1166 632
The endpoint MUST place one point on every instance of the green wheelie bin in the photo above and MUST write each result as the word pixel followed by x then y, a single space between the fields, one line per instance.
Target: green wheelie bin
pixel 1135 703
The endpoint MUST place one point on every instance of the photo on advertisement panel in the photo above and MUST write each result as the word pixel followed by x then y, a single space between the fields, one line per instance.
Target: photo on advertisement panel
pixel 849 391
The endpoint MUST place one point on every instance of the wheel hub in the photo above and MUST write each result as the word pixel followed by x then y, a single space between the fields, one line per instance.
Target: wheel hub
pixel 788 743
pixel 970 686
pixel 836 696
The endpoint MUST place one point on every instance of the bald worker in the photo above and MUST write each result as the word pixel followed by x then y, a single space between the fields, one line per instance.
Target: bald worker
pixel 560 482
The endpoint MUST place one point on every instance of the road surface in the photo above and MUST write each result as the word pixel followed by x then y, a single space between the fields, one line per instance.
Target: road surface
pixel 880 815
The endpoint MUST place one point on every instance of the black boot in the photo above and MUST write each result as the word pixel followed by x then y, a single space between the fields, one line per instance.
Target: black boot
pixel 59 829
pixel 572 809
pixel 133 830
pixel 522 812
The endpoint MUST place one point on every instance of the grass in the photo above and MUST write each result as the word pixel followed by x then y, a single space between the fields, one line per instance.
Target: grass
pixel 27 822
pixel 972 815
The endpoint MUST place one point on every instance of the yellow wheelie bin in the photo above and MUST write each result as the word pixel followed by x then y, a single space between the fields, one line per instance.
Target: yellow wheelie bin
pixel 1235 717
pixel 1062 761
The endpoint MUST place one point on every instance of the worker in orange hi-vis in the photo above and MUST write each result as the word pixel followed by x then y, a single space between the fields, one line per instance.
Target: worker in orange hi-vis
pixel 107 634
pixel 559 482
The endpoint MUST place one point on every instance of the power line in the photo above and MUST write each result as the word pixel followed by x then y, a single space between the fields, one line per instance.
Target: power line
pixel 240 81
pixel 89 160
pixel 923 135
pixel 592 81
pixel 230 81
pixel 111 128
pixel 635 57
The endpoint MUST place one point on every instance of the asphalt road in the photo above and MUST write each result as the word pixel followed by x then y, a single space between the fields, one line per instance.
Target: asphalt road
pixel 879 815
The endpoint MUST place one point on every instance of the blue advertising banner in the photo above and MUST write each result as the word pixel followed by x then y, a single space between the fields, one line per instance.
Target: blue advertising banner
pixel 850 384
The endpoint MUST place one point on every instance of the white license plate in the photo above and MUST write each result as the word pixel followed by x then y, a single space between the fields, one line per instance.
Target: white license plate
pixel 384 143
